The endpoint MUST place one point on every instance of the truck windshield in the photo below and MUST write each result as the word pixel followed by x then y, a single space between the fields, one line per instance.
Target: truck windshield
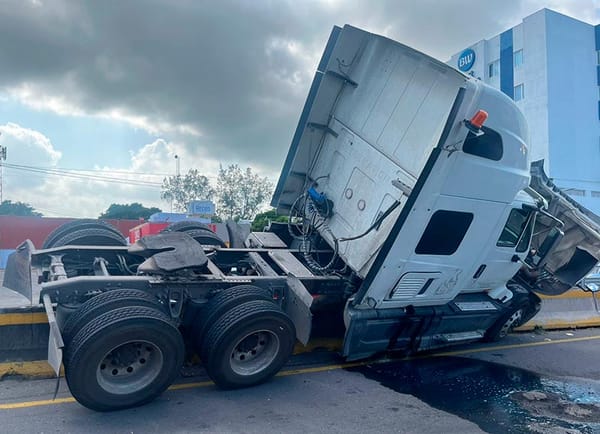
pixel 515 230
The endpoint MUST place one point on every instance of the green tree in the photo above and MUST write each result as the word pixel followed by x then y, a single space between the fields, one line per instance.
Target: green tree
pixel 128 211
pixel 262 220
pixel 181 190
pixel 8 207
pixel 241 193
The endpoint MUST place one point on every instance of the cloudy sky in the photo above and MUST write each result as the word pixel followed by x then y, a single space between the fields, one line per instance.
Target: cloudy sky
pixel 97 97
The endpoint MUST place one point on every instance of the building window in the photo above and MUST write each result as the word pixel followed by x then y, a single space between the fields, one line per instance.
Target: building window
pixel 519 93
pixel 595 193
pixel 494 69
pixel 574 191
pixel 444 233
pixel 518 58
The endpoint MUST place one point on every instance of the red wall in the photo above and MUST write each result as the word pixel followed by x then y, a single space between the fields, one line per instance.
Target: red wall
pixel 14 229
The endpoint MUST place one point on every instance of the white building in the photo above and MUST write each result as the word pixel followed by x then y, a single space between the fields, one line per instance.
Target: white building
pixel 550 65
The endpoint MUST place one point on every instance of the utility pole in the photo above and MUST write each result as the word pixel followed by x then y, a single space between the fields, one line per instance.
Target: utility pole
pixel 177 166
pixel 176 174
pixel 2 158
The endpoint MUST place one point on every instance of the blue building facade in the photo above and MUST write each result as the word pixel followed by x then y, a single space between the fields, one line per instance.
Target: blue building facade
pixel 550 65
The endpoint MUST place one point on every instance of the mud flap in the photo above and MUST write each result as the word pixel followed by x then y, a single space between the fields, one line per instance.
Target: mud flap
pixel 17 275
pixel 55 341
pixel 297 306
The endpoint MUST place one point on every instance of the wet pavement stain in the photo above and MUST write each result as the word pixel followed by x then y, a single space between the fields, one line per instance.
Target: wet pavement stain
pixel 491 395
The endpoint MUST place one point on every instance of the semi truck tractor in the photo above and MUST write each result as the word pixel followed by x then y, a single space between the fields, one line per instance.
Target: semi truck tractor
pixel 415 217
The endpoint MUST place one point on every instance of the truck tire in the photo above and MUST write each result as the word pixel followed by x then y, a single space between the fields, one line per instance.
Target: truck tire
pixel 103 303
pixel 506 323
pixel 90 237
pixel 222 302
pixel 206 238
pixel 123 358
pixel 185 226
pixel 75 225
pixel 198 231
pixel 248 344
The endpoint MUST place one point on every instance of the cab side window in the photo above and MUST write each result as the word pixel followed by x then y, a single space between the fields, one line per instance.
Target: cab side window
pixel 488 145
pixel 444 233
pixel 513 229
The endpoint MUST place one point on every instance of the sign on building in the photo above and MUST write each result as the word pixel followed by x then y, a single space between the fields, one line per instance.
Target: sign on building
pixel 466 60
pixel 203 207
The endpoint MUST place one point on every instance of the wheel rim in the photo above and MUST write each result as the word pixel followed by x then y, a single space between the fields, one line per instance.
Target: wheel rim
pixel 254 352
pixel 129 367
pixel 511 322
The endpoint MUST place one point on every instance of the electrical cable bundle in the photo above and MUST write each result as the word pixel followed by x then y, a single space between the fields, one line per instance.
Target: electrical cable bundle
pixel 310 221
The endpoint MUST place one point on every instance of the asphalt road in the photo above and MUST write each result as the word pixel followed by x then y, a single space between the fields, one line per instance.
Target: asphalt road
pixel 468 389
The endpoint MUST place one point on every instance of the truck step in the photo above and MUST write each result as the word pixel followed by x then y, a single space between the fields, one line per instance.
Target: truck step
pixel 462 336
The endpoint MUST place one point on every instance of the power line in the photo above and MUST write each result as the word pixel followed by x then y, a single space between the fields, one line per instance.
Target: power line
pixel 82 176
pixel 104 171
pixel 68 174
pixel 49 211
pixel 107 171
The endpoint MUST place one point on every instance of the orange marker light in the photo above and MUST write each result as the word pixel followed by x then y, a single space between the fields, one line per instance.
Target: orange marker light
pixel 479 118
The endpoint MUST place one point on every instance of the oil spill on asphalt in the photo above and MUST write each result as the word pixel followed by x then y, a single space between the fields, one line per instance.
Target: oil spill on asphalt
pixel 498 398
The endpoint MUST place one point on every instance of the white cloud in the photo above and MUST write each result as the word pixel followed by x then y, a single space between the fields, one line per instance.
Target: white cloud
pixel 38 97
pixel 28 146
pixel 89 193
pixel 56 192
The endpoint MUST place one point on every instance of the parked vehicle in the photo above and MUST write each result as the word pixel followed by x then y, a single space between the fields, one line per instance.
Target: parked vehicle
pixel 413 212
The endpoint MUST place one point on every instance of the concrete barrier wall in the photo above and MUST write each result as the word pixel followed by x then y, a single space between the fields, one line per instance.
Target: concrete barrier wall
pixel 574 308
pixel 23 334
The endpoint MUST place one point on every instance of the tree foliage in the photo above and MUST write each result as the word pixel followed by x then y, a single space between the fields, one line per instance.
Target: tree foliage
pixel 241 193
pixel 181 190
pixel 8 207
pixel 128 211
pixel 261 221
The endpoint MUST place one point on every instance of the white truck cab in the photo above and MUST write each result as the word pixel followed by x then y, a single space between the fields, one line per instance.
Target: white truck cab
pixel 397 167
